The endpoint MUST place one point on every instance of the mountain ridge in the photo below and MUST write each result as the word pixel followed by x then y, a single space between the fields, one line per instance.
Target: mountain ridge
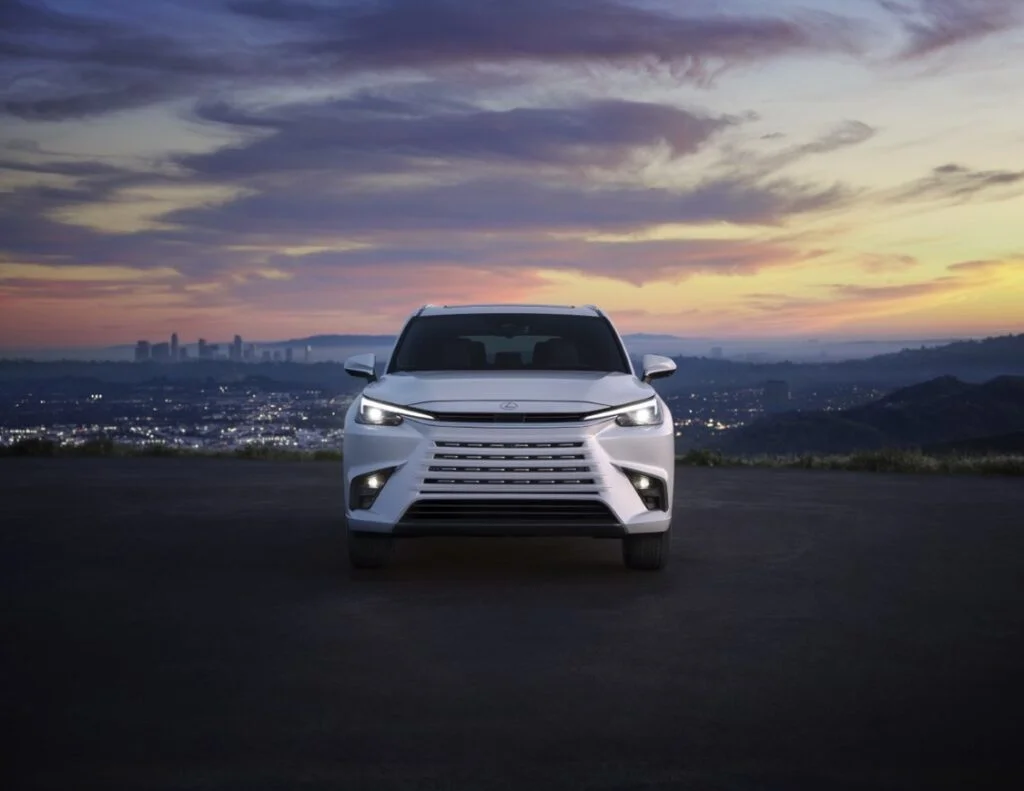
pixel 941 412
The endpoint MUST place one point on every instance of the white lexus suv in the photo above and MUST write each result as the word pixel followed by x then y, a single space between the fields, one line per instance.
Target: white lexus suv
pixel 509 420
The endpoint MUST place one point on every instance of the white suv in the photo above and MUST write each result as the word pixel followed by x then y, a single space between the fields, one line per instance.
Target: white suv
pixel 509 420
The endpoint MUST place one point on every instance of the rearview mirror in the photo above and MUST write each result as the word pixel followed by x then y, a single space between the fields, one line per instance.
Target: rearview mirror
pixel 657 367
pixel 363 366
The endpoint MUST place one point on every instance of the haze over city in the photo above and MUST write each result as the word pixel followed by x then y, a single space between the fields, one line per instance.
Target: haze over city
pixel 715 169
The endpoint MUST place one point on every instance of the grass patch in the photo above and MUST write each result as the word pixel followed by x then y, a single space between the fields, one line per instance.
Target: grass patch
pixel 882 461
pixel 42 448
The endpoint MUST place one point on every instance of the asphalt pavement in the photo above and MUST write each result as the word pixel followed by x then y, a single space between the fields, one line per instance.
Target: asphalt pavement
pixel 193 624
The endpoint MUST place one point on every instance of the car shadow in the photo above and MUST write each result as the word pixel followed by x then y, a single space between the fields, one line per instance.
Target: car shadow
pixel 317 557
pixel 502 559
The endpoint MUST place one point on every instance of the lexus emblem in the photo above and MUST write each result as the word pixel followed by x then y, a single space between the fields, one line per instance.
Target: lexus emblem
pixel 510 405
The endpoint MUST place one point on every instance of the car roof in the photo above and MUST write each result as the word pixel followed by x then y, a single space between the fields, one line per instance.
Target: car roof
pixel 567 310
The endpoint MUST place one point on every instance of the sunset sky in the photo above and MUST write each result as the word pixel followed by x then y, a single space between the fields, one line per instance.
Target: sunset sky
pixel 721 168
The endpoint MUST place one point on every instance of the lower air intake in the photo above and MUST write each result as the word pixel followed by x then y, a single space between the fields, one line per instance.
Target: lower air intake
pixel 508 517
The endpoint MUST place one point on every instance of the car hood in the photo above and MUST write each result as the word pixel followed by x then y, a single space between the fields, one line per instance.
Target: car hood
pixel 532 391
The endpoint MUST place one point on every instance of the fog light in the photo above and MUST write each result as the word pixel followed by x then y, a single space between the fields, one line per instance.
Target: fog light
pixel 650 489
pixel 366 488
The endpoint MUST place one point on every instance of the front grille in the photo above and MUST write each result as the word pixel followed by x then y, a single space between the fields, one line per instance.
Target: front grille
pixel 509 417
pixel 519 467
pixel 509 512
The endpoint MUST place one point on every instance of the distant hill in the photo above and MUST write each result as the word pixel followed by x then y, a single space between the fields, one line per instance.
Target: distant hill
pixel 970 361
pixel 332 341
pixel 939 413
pixel 660 336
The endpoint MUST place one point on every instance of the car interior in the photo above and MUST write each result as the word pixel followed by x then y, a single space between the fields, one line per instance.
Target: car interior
pixel 468 354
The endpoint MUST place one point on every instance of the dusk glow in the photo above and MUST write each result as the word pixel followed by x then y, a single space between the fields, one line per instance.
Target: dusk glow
pixel 719 167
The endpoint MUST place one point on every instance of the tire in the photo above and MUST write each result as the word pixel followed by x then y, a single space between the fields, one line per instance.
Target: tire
pixel 647 551
pixel 368 550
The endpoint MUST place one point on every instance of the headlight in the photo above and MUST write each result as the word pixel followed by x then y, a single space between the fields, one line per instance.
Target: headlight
pixel 644 413
pixel 377 413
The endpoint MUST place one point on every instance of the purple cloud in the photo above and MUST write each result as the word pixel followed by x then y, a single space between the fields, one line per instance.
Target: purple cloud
pixel 61 65
pixel 431 33
pixel 844 135
pixel 305 212
pixel 957 183
pixel 369 133
pixel 935 25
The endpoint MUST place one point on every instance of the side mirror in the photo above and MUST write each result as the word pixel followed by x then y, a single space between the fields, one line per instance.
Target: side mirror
pixel 657 367
pixel 363 366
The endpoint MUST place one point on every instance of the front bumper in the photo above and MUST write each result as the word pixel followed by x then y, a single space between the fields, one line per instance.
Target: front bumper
pixel 509 480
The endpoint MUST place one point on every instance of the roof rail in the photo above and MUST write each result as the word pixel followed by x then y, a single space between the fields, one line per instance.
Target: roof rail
pixel 506 305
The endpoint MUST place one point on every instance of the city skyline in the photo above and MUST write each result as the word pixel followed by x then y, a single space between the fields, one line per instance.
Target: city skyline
pixel 173 351
pixel 819 169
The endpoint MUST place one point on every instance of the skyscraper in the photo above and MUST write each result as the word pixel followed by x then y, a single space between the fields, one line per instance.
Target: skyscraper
pixel 288 354
pixel 142 351
pixel 175 351
pixel 204 349
pixel 236 349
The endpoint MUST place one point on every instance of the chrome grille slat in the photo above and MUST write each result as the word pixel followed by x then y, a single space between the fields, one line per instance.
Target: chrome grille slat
pixel 450 444
pixel 514 467
pixel 565 470
pixel 504 457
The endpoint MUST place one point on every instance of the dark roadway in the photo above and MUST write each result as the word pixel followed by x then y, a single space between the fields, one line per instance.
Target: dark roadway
pixel 173 624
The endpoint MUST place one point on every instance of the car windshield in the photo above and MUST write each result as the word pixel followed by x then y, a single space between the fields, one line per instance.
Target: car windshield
pixel 509 341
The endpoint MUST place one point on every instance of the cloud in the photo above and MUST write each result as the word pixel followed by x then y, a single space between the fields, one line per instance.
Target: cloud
pixel 878 263
pixel 636 263
pixel 845 303
pixel 424 34
pixel 376 133
pixel 846 134
pixel 960 184
pixel 74 168
pixel 89 274
pixel 935 25
pixel 112 98
pixel 60 65
pixel 297 190
pixel 988 266
pixel 308 210
pixel 850 292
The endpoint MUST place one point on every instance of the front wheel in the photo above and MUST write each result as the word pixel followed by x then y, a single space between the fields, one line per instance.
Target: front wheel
pixel 647 551
pixel 369 550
